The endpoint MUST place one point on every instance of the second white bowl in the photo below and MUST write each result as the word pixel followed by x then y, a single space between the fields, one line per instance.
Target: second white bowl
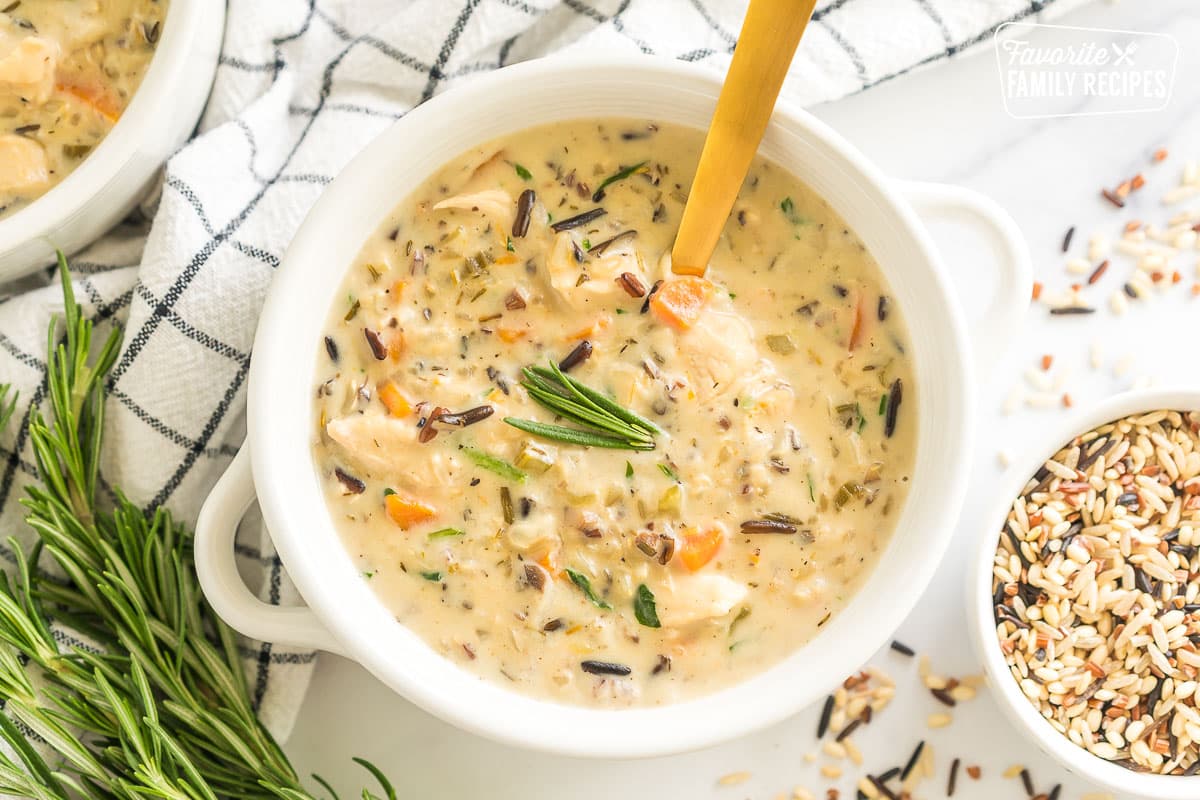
pixel 110 182
pixel 1020 711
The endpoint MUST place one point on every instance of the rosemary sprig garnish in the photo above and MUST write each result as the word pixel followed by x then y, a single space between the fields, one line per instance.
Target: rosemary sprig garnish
pixel 160 707
pixel 605 423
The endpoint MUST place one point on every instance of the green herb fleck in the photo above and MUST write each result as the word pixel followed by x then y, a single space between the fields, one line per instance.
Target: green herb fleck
pixel 492 464
pixel 368 575
pixel 585 586
pixel 523 173
pixel 446 533
pixel 644 609
pixel 812 495
pixel 619 175
pixel 789 210
pixel 509 246
pixel 388 790
pixel 883 404
pixel 741 615
pixel 628 470
pixel 621 311
pixel 670 473
pixel 432 576
pixel 506 505
pixel 354 307
pixel 587 244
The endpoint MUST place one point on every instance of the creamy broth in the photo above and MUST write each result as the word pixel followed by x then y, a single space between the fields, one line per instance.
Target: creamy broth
pixel 780 383
pixel 68 69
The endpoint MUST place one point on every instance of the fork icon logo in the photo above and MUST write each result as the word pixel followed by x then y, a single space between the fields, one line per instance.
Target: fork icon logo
pixel 1124 55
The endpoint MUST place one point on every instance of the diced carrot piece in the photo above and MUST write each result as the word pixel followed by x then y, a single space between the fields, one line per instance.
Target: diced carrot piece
pixel 550 563
pixel 398 288
pixel 396 345
pixel 699 546
pixel 395 402
pixel 510 335
pixel 407 511
pixel 859 325
pixel 507 258
pixel 599 324
pixel 93 93
pixel 679 302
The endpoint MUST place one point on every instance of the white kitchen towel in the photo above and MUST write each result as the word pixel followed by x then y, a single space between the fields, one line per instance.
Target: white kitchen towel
pixel 302 86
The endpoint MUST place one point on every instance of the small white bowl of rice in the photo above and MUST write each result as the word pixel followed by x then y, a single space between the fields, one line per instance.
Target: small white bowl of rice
pixel 1085 594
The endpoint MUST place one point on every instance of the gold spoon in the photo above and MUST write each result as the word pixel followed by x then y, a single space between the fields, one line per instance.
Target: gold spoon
pixel 770 34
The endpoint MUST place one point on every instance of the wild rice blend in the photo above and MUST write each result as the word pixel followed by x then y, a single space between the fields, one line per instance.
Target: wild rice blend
pixel 1095 585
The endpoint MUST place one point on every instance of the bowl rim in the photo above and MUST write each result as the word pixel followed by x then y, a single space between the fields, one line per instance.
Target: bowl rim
pixel 69 197
pixel 643 726
pixel 1011 699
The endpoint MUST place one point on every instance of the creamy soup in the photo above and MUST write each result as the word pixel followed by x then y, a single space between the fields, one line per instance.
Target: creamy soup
pixel 68 69
pixel 589 479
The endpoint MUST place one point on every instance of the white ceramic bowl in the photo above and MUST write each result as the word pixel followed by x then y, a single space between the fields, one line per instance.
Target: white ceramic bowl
pixel 110 182
pixel 1020 711
pixel 344 615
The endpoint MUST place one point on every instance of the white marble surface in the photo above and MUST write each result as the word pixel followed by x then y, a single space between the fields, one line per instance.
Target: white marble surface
pixel 944 124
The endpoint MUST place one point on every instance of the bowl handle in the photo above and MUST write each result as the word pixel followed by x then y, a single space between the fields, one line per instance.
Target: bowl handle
pixel 1011 296
pixel 217 569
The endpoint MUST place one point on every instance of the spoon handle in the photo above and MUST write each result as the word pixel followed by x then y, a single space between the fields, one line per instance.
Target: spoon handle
pixel 765 47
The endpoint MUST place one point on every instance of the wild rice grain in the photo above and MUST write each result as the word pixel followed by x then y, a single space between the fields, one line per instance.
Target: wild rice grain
pixel 895 395
pixel 826 712
pixel 581 353
pixel 525 203
pixel 912 760
pixel 950 785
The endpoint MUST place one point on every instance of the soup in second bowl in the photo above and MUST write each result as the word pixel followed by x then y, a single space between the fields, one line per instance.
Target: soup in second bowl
pixel 582 476
pixel 68 69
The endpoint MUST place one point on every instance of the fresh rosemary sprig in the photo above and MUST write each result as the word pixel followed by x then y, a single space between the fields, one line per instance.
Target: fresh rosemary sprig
pixel 605 423
pixel 155 704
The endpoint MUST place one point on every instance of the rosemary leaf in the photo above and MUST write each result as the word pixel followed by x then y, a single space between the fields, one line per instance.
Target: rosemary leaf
pixel 162 708
pixel 619 175
pixel 586 416
pixel 602 401
pixel 492 464
pixel 560 433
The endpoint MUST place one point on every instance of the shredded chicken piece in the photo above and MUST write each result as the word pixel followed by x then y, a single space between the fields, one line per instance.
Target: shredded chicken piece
pixel 27 68
pixel 22 164
pixel 494 203
pixel 697 598
pixel 602 273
